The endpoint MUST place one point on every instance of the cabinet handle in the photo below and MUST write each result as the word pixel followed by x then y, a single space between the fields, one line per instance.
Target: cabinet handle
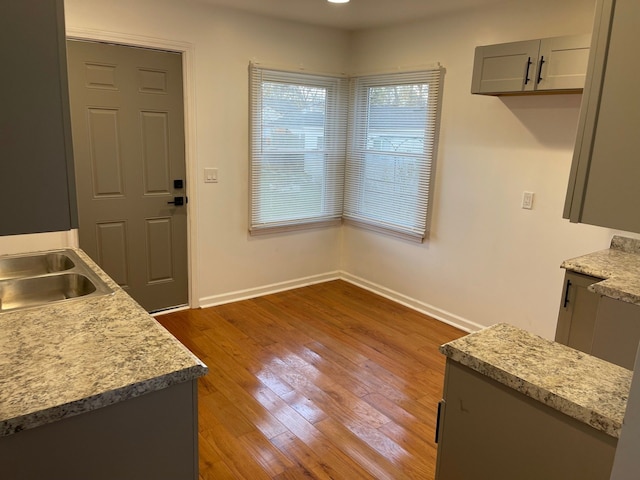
pixel 566 294
pixel 526 75
pixel 540 69
pixel 440 406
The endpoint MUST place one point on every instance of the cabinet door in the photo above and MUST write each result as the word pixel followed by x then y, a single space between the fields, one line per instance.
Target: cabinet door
pixel 603 187
pixel 578 311
pixel 617 332
pixel 563 63
pixel 491 432
pixel 36 177
pixel 507 67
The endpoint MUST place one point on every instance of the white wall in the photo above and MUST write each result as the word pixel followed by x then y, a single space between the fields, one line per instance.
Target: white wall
pixel 34 242
pixel 487 260
pixel 228 260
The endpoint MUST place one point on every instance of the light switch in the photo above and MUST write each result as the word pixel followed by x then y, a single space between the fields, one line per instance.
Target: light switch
pixel 210 175
pixel 527 200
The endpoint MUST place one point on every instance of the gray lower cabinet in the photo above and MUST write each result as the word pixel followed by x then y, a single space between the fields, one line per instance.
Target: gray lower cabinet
pixel 153 436
pixel 531 66
pixel 617 332
pixel 600 326
pixel 578 311
pixel 488 431
pixel 603 184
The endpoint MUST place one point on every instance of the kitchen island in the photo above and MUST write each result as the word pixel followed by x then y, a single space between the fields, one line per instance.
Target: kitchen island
pixel 95 388
pixel 519 406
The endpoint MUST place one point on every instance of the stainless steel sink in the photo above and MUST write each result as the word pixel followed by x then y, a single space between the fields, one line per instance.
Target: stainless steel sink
pixel 19 266
pixel 44 278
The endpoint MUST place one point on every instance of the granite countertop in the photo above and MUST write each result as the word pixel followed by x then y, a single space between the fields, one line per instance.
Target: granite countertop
pixel 69 358
pixel 576 384
pixel 618 266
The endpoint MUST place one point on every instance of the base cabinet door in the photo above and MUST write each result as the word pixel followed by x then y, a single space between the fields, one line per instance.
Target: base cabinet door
pixel 151 437
pixel 490 432
pixel 617 332
pixel 578 311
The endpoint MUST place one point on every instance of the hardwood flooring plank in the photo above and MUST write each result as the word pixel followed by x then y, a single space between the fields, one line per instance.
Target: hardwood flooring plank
pixel 371 382
pixel 388 338
pixel 329 396
pixel 303 432
pixel 304 406
pixel 318 324
pixel 328 381
pixel 266 453
pixel 288 416
pixel 404 418
pixel 378 466
pixel 424 453
pixel 235 457
pixel 227 414
pixel 252 412
pixel 306 458
pixel 315 379
pixel 347 378
pixel 351 336
pixel 211 465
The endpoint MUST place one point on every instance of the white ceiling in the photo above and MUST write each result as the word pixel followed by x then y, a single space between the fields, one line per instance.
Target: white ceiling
pixel 356 14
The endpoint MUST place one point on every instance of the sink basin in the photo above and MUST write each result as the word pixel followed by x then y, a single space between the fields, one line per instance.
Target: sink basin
pixel 44 278
pixel 34 291
pixel 31 265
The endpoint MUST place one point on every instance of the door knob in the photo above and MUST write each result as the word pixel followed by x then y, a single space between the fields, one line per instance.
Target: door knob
pixel 177 201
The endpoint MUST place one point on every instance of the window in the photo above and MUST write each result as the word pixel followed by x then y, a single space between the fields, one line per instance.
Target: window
pixel 303 170
pixel 393 125
pixel 298 145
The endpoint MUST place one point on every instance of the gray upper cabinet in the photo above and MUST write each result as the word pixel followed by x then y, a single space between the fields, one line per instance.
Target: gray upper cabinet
pixel 603 184
pixel 532 66
pixel 36 176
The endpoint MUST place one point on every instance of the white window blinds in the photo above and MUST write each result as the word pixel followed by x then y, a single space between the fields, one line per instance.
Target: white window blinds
pixel 298 146
pixel 393 126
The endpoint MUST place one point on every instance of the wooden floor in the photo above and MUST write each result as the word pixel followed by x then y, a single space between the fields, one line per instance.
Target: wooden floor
pixel 324 382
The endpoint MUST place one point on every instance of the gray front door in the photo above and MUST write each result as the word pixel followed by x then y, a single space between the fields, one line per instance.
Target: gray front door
pixel 127 120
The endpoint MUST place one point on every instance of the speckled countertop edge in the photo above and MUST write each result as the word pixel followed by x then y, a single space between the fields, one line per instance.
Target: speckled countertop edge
pixel 583 387
pixel 69 358
pixel 618 266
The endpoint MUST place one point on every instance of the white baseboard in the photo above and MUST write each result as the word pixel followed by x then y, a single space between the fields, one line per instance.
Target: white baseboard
pixel 437 313
pixel 236 296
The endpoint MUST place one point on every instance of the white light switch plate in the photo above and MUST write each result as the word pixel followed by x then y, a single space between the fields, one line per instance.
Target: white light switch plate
pixel 210 175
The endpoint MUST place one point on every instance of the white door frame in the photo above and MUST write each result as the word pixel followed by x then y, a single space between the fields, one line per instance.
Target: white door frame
pixel 188 57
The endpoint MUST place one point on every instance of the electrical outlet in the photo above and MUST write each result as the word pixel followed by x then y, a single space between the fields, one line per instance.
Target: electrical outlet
pixel 527 200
